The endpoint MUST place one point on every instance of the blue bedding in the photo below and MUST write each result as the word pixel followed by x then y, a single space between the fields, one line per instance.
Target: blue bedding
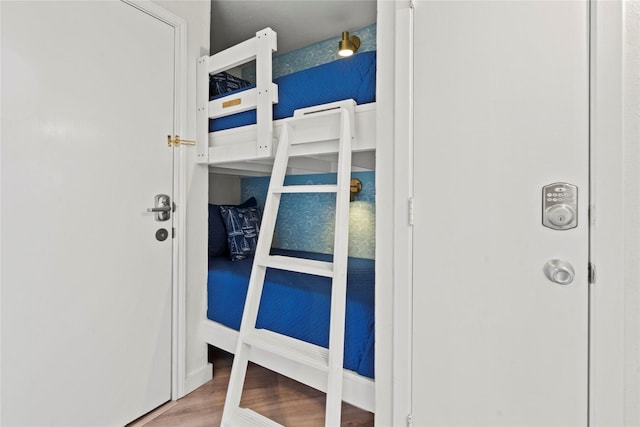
pixel 297 304
pixel 348 78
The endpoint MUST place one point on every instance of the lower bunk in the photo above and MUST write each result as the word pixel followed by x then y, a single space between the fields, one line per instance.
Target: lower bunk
pixel 297 305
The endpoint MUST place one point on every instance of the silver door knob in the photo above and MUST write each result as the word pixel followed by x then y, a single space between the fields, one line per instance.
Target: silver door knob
pixel 559 271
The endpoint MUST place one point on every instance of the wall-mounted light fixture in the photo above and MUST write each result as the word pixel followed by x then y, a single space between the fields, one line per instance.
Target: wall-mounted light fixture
pixel 348 45
pixel 356 187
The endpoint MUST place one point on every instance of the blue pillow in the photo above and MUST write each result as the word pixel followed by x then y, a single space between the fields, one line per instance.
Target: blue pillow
pixel 224 82
pixel 218 232
pixel 243 228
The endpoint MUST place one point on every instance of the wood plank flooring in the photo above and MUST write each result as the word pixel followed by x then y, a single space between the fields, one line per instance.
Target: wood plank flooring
pixel 279 398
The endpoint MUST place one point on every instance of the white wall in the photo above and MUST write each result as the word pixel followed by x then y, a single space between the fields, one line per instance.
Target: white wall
pixel 224 189
pixel 197 371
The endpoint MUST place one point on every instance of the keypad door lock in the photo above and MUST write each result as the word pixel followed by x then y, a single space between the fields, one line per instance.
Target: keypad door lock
pixel 560 206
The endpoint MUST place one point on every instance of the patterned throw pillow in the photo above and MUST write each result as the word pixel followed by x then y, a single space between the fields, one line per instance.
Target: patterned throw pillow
pixel 217 230
pixel 243 228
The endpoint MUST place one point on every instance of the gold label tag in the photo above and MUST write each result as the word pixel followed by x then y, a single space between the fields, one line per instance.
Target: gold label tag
pixel 231 103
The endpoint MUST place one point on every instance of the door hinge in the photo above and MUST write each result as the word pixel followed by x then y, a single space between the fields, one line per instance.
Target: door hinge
pixel 412 4
pixel 410 420
pixel 411 215
pixel 592 273
pixel 176 140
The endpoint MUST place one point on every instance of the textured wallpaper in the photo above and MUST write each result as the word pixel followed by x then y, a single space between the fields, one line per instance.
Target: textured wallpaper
pixel 306 221
pixel 314 54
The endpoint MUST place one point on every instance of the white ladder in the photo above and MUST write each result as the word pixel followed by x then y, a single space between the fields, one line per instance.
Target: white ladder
pixel 329 361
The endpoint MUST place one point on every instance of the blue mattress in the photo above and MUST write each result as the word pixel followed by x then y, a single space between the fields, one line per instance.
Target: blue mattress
pixel 348 78
pixel 297 304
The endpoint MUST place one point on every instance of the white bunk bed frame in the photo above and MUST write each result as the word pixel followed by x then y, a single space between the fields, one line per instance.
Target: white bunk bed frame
pixel 249 150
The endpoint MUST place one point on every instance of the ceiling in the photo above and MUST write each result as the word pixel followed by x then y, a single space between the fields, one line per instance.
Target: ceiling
pixel 297 22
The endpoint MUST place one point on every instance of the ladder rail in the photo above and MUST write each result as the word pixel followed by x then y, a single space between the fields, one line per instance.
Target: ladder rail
pixel 339 283
pixel 256 281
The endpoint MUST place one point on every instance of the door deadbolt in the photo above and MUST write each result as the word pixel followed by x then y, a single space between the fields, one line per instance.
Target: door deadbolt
pixel 560 206
pixel 162 234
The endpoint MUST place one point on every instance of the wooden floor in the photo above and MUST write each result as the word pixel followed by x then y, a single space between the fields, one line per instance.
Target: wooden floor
pixel 279 398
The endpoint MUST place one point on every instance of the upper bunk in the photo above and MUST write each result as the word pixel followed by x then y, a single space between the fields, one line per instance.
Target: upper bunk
pixel 238 130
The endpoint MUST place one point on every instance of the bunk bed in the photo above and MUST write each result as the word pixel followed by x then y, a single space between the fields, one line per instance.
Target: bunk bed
pixel 237 134
pixel 246 147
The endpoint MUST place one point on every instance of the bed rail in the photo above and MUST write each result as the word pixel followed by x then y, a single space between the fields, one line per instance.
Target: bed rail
pixel 259 48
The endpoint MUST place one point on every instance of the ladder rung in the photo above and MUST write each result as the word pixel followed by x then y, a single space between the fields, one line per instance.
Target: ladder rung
pixel 244 417
pixel 305 189
pixel 324 109
pixel 329 118
pixel 300 265
pixel 290 348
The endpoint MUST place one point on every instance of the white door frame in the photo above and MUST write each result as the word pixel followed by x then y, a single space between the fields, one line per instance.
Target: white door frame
pixel 179 276
pixel 615 234
pixel 394 93
pixel 615 238
pixel 392 383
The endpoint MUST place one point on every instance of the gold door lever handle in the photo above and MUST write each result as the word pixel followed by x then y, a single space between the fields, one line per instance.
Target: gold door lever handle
pixel 176 140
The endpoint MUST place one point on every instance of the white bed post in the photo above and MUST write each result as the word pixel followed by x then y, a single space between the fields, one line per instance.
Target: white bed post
pixel 266 42
pixel 260 48
pixel 202 113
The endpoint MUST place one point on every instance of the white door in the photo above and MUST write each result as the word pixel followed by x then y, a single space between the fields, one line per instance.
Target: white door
pixel 87 104
pixel 501 110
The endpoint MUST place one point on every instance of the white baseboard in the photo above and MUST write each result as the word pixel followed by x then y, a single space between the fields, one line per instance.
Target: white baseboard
pixel 197 378
pixel 153 414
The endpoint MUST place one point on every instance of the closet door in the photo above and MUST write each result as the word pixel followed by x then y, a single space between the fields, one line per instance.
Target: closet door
pixel 87 104
pixel 501 111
